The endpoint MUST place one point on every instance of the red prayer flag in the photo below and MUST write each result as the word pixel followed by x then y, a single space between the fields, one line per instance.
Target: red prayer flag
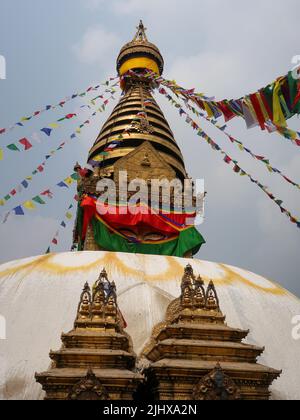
pixel 297 99
pixel 47 193
pixel 258 111
pixel 54 241
pixel 266 104
pixel 228 114
pixel 25 143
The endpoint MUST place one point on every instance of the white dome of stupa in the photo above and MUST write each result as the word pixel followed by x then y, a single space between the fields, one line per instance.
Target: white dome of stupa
pixel 39 298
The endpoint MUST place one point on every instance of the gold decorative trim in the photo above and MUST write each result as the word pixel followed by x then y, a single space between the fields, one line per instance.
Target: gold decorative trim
pixel 88 389
pixel 216 386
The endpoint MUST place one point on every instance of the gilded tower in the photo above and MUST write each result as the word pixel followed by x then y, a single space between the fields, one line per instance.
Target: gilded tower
pixel 137 140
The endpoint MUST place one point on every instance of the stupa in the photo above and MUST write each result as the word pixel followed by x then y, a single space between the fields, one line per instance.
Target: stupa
pixel 151 321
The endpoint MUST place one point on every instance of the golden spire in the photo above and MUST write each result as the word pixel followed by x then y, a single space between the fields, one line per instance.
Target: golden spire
pixel 140 54
pixel 141 33
pixel 137 118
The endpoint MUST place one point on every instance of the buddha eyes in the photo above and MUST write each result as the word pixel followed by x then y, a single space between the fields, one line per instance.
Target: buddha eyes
pixel 150 236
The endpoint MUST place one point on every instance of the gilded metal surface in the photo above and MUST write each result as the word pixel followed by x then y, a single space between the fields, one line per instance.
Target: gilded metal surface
pixel 89 388
pixel 96 360
pixel 194 355
pixel 153 128
pixel 216 386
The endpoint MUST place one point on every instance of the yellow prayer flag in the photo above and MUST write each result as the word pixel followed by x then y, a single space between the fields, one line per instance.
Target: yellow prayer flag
pixel 29 178
pixel 68 181
pixel 2 202
pixel 208 110
pixel 69 216
pixel 29 205
pixel 263 108
pixel 1 154
pixel 241 147
pixel 278 117
pixel 78 131
pixel 98 158
pixel 53 125
pixel 292 134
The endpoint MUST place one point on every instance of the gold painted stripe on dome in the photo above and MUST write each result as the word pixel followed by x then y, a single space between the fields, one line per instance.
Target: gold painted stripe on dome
pixel 166 271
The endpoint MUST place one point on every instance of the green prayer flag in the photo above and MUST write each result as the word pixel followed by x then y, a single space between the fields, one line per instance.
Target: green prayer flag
pixel 13 147
pixel 293 86
pixel 38 200
pixel 75 177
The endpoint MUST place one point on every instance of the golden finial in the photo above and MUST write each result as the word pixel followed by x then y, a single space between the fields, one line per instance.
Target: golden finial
pixel 84 306
pixel 212 300
pixel 141 33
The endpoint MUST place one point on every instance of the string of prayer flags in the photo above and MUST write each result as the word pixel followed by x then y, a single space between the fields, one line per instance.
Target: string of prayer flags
pixel 240 145
pixel 48 131
pixel 239 170
pixel 67 217
pixel 61 104
pixel 40 169
pixel 273 104
pixel 38 199
pixel 112 146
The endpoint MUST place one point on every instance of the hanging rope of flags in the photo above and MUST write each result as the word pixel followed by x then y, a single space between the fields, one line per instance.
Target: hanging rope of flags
pixel 25 183
pixel 40 169
pixel 265 161
pixel 40 198
pixel 269 108
pixel 63 224
pixel 237 168
pixel 27 143
pixel 61 104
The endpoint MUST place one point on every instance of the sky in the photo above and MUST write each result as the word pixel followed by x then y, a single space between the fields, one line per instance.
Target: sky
pixel 223 48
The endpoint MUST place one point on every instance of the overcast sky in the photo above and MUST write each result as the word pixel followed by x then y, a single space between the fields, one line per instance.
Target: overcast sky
pixel 223 48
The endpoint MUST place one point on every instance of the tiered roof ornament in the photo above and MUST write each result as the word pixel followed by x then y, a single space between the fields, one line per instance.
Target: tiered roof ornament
pixel 193 354
pixel 98 307
pixel 96 361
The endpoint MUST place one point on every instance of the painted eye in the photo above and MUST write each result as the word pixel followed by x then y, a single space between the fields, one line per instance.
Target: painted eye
pixel 128 233
pixel 154 237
